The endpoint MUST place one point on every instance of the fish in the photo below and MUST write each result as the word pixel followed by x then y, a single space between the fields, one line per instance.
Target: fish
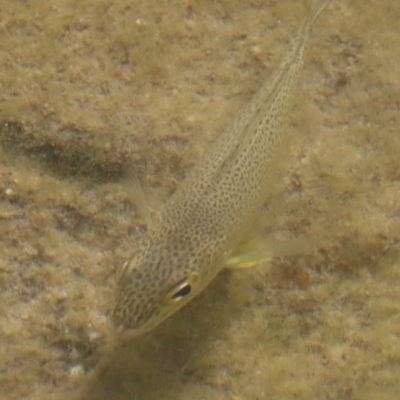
pixel 203 225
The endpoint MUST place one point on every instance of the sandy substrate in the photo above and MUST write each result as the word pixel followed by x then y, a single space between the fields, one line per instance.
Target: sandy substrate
pixel 90 88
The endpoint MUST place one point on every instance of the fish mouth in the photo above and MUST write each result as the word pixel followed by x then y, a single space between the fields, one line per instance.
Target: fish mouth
pixel 119 330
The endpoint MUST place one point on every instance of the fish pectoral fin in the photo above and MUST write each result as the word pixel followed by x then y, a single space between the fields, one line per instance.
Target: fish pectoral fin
pixel 258 250
pixel 247 254
pixel 136 195
pixel 294 247
pixel 247 260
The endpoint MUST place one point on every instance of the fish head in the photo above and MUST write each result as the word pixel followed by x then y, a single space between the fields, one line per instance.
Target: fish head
pixel 150 287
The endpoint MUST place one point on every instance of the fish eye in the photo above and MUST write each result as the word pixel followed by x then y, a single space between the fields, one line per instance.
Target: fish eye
pixel 183 289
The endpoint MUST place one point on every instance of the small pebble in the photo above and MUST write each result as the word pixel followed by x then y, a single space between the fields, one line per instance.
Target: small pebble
pixel 93 335
pixel 76 373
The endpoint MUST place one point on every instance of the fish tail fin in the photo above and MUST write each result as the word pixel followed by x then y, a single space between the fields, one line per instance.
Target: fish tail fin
pixel 313 9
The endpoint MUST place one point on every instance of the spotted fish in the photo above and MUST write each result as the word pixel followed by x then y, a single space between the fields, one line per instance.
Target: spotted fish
pixel 202 226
